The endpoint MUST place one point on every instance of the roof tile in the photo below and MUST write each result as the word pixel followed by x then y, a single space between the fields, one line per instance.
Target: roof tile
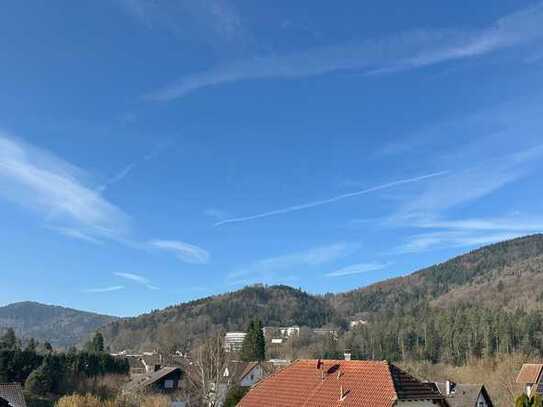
pixel 338 383
pixel 529 373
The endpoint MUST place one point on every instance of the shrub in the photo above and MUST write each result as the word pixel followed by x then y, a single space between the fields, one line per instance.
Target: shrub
pixel 38 382
pixel 88 400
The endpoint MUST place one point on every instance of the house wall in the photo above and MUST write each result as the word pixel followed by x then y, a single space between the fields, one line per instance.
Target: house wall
pixel 175 377
pixel 482 400
pixel 253 377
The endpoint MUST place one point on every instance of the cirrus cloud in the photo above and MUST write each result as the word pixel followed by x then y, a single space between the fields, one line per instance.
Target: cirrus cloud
pixel 408 50
pixel 357 269
pixel 37 179
pixel 185 252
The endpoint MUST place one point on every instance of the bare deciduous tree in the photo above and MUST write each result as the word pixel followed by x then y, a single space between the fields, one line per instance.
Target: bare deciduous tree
pixel 207 371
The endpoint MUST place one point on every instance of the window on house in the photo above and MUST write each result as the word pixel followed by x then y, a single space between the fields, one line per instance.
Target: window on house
pixel 168 384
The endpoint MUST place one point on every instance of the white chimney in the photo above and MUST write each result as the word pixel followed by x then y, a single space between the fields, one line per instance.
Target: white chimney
pixel 347 355
pixel 450 387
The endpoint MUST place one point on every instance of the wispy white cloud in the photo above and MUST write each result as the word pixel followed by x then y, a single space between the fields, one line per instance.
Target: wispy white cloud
pixel 492 131
pixel 57 190
pixel 406 51
pixel 357 269
pixel 138 279
pixel 215 22
pixel 431 208
pixel 129 168
pixel 39 180
pixel 525 224
pixel 104 289
pixel 273 269
pixel 185 252
pixel 76 234
pixel 336 198
pixel 117 177
pixel 450 239
pixel 460 187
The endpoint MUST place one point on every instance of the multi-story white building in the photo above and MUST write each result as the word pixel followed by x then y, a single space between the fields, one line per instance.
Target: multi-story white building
pixel 233 341
pixel 283 331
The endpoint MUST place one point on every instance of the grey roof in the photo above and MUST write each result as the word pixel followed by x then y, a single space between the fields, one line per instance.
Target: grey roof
pixel 13 394
pixel 139 361
pixel 142 381
pixel 465 395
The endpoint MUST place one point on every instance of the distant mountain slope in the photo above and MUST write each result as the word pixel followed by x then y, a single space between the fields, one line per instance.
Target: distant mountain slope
pixel 60 326
pixel 182 324
pixel 505 275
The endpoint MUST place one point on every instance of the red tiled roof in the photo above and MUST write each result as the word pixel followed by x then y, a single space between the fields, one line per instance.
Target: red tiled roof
pixel 529 373
pixel 361 383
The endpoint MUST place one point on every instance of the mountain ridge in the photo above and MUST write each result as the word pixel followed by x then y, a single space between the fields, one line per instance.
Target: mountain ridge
pixel 490 276
pixel 505 261
pixel 61 326
pixel 516 263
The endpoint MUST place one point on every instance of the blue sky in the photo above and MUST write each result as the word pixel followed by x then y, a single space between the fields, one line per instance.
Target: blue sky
pixel 156 151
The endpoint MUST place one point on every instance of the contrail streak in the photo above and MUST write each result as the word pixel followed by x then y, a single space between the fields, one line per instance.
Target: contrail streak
pixel 331 200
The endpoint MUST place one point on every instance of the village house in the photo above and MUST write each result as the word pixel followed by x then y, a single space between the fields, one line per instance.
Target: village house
pixel 464 395
pixel 149 362
pixel 163 380
pixel 247 374
pixel 282 331
pixel 11 395
pixel 242 374
pixel 347 383
pixel 530 377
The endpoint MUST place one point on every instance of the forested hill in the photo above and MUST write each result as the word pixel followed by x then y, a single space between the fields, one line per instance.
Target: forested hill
pixel 60 326
pixel 506 275
pixel 492 277
pixel 180 325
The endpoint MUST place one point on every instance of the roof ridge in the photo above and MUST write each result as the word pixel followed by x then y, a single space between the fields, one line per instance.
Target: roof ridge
pixel 391 378
pixel 393 368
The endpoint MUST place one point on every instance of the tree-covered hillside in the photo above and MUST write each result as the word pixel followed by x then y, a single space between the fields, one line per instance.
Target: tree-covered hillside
pixel 179 326
pixel 500 276
pixel 62 327
pixel 500 287
pixel 501 279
